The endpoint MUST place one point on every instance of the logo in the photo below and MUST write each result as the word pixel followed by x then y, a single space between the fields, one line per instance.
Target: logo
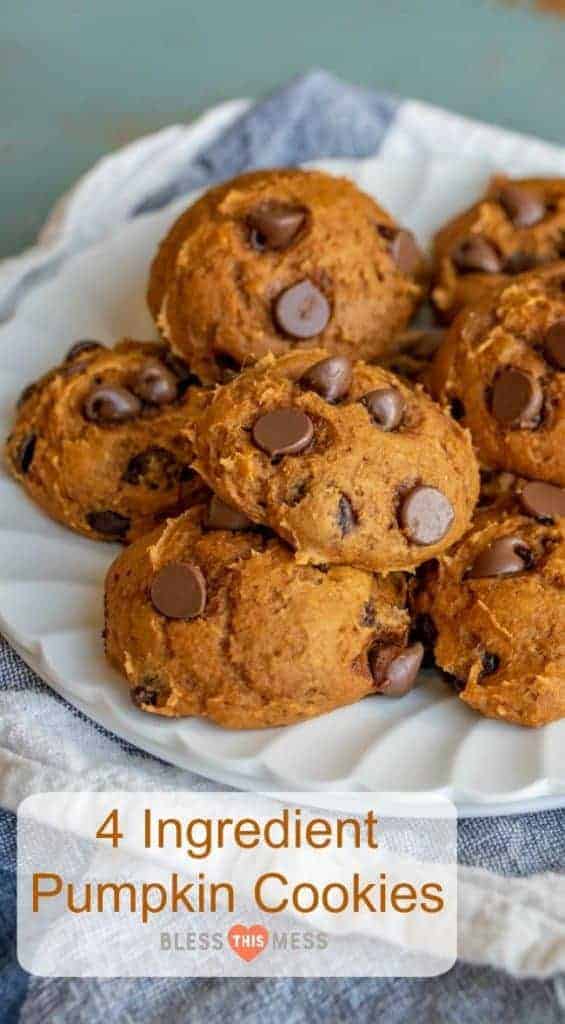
pixel 248 943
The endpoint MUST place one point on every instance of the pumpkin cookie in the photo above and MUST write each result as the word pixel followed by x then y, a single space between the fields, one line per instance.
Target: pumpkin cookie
pixel 223 623
pixel 518 225
pixel 345 461
pixel 98 442
pixel 495 609
pixel 501 370
pixel 275 260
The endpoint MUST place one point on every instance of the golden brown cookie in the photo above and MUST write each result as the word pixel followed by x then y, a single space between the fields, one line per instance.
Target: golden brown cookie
pixel 495 608
pixel 346 462
pixel 501 370
pixel 275 260
pixel 516 226
pixel 226 625
pixel 99 441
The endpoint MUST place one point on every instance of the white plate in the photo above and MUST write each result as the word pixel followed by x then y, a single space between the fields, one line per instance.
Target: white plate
pixel 51 580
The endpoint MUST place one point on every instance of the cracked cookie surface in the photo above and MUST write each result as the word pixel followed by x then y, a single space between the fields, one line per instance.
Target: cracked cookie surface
pixel 495 608
pixel 518 225
pixel 501 369
pixel 346 462
pixel 280 259
pixel 98 441
pixel 226 625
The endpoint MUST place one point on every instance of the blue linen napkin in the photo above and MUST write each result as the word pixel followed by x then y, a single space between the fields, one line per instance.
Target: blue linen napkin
pixel 314 116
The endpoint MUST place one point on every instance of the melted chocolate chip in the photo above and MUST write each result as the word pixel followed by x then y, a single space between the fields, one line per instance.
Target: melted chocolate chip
pixel 110 404
pixel 223 517
pixel 543 501
pixel 517 399
pixel 504 557
pixel 522 205
pixel 456 408
pixel 155 468
pixel 25 452
pixel 110 524
pixel 80 348
pixel 330 378
pixel 181 370
pixel 347 517
pixel 286 431
pixel 477 255
pixel 490 663
pixel 386 406
pixel 405 252
pixel 425 515
pixel 178 591
pixel 302 311
pixel 395 669
pixel 519 262
pixel 274 225
pixel 554 345
pixel 144 695
pixel 156 384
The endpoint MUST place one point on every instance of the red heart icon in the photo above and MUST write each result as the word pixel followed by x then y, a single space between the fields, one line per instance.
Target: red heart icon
pixel 248 943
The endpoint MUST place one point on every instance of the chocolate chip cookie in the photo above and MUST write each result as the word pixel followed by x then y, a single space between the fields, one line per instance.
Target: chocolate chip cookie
pixel 275 260
pixel 222 622
pixel 98 442
pixel 343 460
pixel 501 370
pixel 518 225
pixel 495 609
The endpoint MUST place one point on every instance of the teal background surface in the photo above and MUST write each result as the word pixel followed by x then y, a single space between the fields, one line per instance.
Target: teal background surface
pixel 81 77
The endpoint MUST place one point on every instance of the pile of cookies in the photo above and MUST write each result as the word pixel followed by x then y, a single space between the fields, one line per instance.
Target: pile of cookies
pixel 295 469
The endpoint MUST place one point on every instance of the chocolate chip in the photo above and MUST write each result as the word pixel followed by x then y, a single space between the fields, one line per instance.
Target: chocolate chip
pixel 228 367
pixel 144 695
pixel 347 517
pixel 111 404
pixel 181 371
pixel 395 669
pixel 274 225
pixel 156 384
pixel 386 406
pixel 80 347
pixel 519 262
pixel 330 378
pixel 178 591
pixel 504 557
pixel 516 399
pixel 554 346
pixel 155 467
pixel 490 663
pixel 522 205
pixel 543 501
pixel 477 255
pixel 286 431
pixel 223 517
pixel 25 452
pixel 426 515
pixel 405 252
pixel 456 408
pixel 110 524
pixel 302 310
